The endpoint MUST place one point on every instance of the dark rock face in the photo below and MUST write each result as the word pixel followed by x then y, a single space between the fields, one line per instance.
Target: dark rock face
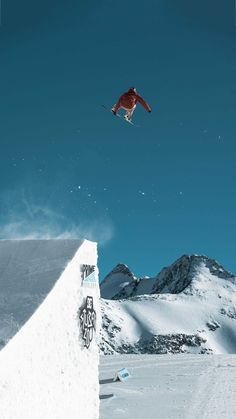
pixel 116 281
pixel 121 268
pixel 175 278
pixel 107 346
pixel 179 276
pixel 213 325
pixel 161 344
pixel 172 344
pixel 229 312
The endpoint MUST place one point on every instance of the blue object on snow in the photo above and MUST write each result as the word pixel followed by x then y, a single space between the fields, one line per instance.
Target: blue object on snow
pixel 122 375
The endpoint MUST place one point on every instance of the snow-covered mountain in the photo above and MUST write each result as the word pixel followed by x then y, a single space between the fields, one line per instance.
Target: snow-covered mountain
pixel 188 307
pixel 118 279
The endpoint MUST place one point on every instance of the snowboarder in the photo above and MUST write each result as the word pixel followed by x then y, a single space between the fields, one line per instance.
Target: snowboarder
pixel 128 102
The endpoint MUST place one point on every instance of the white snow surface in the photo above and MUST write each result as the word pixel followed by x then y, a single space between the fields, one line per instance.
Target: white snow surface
pixel 169 387
pixel 45 371
pixel 205 309
pixel 28 272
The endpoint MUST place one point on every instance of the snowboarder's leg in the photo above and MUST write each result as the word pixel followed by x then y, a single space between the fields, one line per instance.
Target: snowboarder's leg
pixel 129 113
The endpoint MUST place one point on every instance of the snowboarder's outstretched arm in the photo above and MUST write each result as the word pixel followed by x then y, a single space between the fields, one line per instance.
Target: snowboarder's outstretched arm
pixel 117 106
pixel 143 103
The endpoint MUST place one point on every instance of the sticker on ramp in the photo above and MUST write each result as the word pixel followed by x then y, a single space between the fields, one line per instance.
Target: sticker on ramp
pixel 88 273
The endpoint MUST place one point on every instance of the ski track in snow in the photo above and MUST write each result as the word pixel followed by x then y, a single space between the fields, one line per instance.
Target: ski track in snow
pixel 215 390
pixel 169 387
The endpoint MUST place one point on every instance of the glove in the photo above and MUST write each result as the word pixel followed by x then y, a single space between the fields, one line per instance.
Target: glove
pixel 150 111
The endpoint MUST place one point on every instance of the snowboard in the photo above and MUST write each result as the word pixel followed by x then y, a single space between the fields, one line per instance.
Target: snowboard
pixel 120 116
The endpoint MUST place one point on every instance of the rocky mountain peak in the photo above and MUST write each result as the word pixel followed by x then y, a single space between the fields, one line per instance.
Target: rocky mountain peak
pixel 119 278
pixel 180 274
pixel 121 268
pixel 173 279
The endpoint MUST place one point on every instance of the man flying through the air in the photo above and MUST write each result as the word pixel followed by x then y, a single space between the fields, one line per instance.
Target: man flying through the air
pixel 128 102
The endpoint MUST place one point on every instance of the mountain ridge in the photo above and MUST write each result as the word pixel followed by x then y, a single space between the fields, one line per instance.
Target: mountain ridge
pixel 188 307
pixel 173 279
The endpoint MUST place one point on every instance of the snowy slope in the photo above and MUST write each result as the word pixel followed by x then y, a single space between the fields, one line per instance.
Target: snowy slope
pixel 169 387
pixel 45 369
pixel 190 308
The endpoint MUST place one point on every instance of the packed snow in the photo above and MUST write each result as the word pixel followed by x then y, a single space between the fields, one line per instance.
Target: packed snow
pixel 28 272
pixel 45 370
pixel 186 310
pixel 169 387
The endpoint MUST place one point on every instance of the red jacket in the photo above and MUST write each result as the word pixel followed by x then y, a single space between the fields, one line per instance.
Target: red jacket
pixel 129 99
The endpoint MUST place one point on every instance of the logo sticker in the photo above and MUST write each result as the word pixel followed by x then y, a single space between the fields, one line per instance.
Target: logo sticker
pixel 87 318
pixel 88 275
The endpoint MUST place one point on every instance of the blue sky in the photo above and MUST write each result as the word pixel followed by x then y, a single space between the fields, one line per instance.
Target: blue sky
pixel 68 167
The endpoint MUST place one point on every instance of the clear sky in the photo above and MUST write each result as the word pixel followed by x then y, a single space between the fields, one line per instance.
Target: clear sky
pixel 68 167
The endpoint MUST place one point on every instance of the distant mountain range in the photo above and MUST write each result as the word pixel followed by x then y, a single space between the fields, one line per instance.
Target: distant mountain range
pixel 188 307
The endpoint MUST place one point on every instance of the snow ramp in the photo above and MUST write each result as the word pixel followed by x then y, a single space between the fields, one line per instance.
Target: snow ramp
pixel 49 369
